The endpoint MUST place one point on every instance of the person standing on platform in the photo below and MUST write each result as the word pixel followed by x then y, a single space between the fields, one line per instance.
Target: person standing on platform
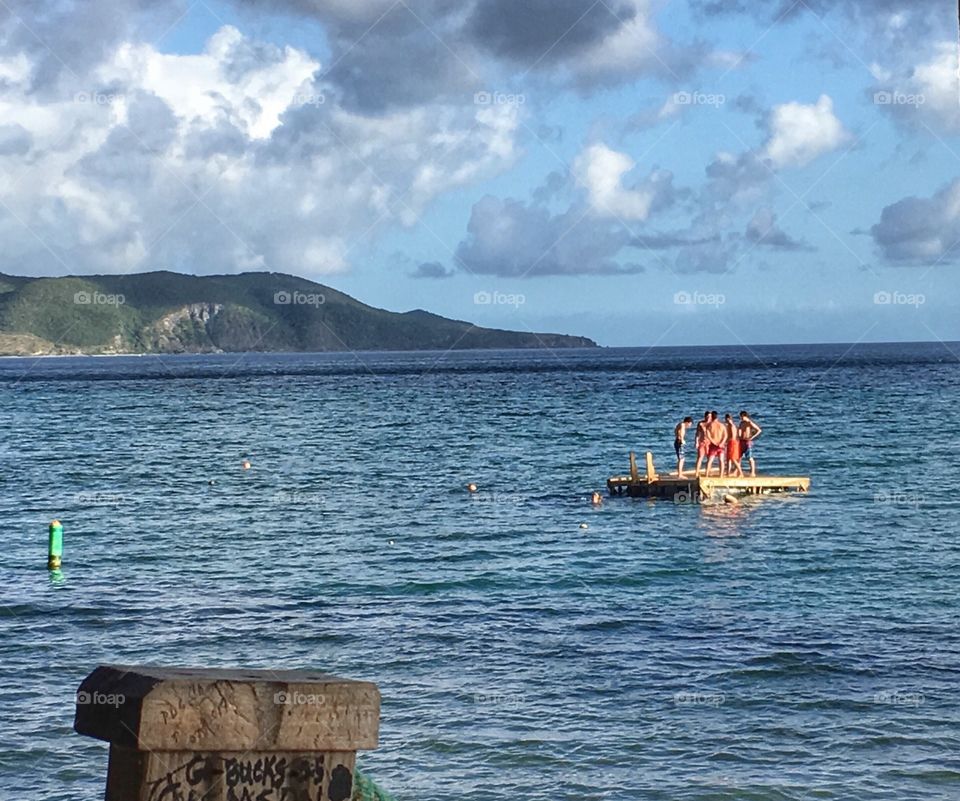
pixel 700 440
pixel 733 447
pixel 748 431
pixel 679 440
pixel 716 443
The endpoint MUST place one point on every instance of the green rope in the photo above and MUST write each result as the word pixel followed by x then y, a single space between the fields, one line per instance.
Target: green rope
pixel 364 789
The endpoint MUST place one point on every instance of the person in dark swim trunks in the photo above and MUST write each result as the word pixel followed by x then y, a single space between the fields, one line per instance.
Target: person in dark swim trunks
pixel 748 431
pixel 679 439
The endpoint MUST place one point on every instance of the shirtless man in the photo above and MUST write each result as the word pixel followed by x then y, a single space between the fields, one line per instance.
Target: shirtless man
pixel 748 432
pixel 716 443
pixel 733 447
pixel 679 440
pixel 700 440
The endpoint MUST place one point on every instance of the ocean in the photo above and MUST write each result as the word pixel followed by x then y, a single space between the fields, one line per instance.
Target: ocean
pixel 790 647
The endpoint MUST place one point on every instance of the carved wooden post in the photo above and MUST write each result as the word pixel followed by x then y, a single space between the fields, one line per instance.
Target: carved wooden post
pixel 192 734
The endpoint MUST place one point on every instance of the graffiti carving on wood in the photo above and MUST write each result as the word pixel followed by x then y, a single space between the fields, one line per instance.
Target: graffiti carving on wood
pixel 267 777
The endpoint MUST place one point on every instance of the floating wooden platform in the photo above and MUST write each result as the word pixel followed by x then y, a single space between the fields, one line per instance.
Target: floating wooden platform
pixel 692 489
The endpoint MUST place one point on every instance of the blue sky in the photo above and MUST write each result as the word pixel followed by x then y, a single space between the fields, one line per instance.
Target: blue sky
pixel 712 171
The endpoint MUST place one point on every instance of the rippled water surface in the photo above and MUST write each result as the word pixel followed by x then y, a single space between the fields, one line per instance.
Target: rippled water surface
pixel 787 648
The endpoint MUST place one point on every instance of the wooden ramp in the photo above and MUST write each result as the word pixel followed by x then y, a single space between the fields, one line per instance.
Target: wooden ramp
pixel 691 489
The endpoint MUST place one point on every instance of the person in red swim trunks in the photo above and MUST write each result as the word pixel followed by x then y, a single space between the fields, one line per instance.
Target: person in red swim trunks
pixel 716 443
pixel 733 447
pixel 700 440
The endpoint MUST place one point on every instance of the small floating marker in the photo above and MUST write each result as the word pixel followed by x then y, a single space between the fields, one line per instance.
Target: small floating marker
pixel 471 487
pixel 391 542
pixel 596 500
pixel 246 464
pixel 584 525
pixel 55 549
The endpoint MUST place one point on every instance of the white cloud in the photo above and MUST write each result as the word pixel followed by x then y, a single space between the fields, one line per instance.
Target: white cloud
pixel 799 133
pixel 763 230
pixel 233 158
pixel 199 88
pixel 634 46
pixel 601 170
pixel 921 230
pixel 15 70
pixel 927 94
pixel 515 239
pixel 937 79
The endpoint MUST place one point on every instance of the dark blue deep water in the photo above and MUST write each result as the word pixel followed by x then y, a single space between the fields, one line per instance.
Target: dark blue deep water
pixel 788 648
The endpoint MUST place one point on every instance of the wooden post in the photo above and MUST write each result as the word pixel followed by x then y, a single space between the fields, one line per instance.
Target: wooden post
pixel 634 473
pixel 651 473
pixel 227 735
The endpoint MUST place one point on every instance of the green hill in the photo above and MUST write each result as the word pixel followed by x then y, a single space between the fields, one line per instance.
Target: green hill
pixel 165 312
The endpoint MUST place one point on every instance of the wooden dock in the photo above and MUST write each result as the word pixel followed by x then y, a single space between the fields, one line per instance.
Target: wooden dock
pixel 693 489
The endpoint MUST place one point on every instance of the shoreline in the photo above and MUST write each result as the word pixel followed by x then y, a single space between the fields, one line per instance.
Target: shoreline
pixel 542 349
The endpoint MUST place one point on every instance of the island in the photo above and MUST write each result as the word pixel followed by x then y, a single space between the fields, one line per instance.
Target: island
pixel 168 312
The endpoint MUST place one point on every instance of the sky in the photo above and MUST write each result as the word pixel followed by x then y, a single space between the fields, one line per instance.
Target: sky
pixel 641 172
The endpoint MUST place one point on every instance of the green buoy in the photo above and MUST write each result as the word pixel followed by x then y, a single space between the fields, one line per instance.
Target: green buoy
pixel 55 551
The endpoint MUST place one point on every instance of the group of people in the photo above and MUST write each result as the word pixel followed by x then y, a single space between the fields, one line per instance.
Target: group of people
pixel 727 441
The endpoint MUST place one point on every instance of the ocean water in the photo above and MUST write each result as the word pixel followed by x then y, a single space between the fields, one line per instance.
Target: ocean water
pixel 787 648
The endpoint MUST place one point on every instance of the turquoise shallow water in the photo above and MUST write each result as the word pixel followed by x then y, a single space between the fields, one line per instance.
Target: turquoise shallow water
pixel 789 648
